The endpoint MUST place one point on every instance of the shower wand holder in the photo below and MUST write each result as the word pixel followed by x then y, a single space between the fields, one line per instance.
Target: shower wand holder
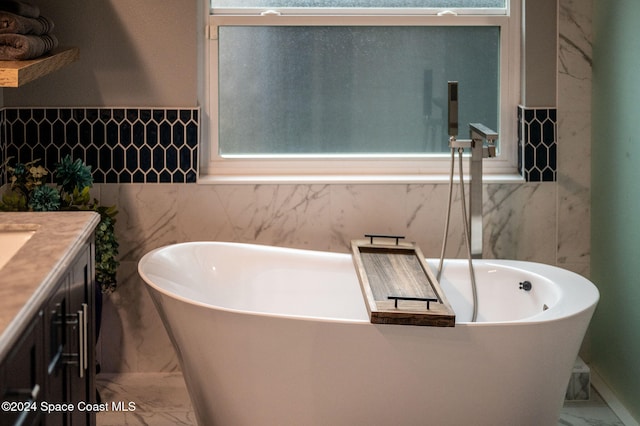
pixel 460 143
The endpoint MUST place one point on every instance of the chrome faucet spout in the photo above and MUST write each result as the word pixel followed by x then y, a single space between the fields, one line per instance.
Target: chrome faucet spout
pixel 480 134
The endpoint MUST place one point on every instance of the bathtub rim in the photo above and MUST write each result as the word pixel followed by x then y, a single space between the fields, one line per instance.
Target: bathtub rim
pixel 541 269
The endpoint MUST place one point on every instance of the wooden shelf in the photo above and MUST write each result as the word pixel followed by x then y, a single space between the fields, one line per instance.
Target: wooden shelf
pixel 17 73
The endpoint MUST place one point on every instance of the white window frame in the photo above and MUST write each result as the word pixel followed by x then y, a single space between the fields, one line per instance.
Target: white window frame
pixel 401 168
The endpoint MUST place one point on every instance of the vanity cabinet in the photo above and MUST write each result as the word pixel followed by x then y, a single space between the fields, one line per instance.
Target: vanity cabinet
pixel 22 374
pixel 53 363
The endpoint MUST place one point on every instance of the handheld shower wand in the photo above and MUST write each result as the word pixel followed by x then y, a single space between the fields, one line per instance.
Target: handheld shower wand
pixel 452 108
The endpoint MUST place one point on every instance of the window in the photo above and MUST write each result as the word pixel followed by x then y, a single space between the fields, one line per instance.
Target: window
pixel 355 87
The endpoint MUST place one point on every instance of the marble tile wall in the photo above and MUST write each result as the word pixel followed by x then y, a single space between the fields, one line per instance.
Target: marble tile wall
pixel 544 221
pixel 520 223
pixel 574 134
pixel 539 221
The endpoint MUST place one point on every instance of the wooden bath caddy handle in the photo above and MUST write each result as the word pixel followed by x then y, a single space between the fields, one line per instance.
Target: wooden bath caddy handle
pixel 393 237
pixel 420 299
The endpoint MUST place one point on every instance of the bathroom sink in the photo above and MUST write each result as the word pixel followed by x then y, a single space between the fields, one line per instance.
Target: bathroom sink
pixel 10 243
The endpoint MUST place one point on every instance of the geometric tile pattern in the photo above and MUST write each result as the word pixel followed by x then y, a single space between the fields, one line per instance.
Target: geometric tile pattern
pixel 158 145
pixel 537 143
pixel 122 145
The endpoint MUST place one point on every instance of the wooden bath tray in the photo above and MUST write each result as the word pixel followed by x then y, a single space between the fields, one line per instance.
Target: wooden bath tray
pixel 398 285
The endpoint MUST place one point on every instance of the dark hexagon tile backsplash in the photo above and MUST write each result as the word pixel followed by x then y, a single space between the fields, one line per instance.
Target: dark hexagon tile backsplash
pixel 122 145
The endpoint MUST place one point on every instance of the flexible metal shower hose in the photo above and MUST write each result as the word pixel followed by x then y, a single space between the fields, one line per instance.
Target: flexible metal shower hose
pixel 467 238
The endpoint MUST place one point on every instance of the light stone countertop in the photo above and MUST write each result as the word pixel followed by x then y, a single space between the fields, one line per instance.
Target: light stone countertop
pixel 28 278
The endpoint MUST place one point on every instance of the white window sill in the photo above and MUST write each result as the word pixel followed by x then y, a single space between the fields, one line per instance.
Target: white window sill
pixel 349 179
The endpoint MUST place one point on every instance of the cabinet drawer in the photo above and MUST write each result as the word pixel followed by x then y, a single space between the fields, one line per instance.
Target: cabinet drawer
pixel 22 375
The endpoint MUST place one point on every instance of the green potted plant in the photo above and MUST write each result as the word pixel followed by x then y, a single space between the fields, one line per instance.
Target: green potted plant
pixel 29 191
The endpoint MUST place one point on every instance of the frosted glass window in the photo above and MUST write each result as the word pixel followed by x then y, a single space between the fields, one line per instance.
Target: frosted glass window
pixel 353 89
pixel 470 4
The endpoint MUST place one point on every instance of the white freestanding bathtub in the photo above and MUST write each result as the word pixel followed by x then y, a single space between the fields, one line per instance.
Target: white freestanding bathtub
pixel 277 336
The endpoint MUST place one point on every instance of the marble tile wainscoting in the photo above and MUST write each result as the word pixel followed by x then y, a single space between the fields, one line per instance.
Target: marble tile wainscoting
pixel 520 223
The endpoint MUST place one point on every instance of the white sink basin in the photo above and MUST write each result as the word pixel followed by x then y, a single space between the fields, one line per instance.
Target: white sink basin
pixel 10 243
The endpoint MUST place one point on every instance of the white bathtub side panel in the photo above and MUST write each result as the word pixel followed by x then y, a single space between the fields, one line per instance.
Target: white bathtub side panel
pixel 248 370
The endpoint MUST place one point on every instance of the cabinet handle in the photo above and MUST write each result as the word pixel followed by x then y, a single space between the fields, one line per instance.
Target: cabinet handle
pixel 81 324
pixel 85 335
pixel 81 320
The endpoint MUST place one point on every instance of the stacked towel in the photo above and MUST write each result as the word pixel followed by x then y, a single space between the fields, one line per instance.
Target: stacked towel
pixel 20 8
pixel 24 33
pixel 15 24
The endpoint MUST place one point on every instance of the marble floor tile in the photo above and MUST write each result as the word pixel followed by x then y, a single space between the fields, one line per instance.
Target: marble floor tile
pixel 158 399
pixel 161 399
pixel 594 412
